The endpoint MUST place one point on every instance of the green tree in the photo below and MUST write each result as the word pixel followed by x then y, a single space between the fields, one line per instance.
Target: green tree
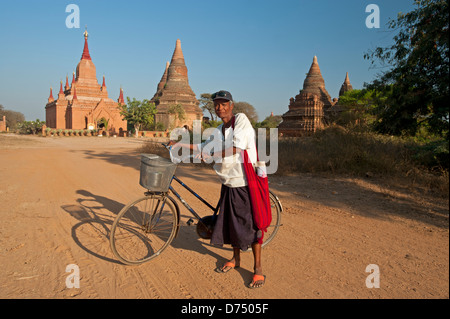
pixel 211 123
pixel 357 109
pixel 138 113
pixel 416 85
pixel 30 127
pixel 247 109
pixel 271 121
pixel 207 104
pixel 13 118
pixel 105 123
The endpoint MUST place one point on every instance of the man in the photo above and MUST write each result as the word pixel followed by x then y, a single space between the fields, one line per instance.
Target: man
pixel 234 223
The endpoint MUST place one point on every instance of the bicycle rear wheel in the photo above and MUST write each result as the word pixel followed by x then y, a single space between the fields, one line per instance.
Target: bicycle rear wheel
pixel 276 219
pixel 143 229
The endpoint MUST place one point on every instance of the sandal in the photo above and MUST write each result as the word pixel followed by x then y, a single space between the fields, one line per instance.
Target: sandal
pixel 228 264
pixel 257 278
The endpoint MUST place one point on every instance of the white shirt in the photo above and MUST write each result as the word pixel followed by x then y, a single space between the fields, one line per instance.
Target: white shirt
pixel 230 168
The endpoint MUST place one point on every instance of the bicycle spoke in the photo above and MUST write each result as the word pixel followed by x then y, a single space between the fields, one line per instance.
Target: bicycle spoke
pixel 143 229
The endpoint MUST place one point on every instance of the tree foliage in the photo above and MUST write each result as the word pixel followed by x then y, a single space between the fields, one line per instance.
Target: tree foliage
pixel 357 109
pixel 247 109
pixel 138 113
pixel 416 87
pixel 271 121
pixel 207 105
pixel 178 111
pixel 30 127
pixel 13 118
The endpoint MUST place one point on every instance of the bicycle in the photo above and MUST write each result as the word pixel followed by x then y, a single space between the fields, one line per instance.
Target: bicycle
pixel 144 228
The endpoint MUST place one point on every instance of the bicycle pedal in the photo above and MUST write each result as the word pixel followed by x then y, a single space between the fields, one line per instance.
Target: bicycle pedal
pixel 189 222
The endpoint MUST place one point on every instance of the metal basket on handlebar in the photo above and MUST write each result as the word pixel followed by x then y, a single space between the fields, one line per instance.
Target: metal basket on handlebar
pixel 156 172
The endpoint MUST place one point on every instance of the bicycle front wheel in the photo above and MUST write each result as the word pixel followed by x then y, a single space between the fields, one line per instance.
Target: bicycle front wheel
pixel 143 229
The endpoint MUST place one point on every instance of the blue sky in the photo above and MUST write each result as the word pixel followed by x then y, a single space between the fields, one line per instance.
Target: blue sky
pixel 258 50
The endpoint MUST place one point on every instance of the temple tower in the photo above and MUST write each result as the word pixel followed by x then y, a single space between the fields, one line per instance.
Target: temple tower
pixel 174 89
pixel 315 84
pixel 307 110
pixel 305 115
pixel 85 103
pixel 346 86
pixel 163 81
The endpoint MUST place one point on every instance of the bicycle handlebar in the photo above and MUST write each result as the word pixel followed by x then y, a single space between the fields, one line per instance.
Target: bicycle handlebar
pixel 174 159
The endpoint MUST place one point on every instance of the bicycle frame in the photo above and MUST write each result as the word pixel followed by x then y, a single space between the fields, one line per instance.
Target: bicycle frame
pixel 189 208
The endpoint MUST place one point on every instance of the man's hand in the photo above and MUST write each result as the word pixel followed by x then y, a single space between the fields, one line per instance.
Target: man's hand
pixel 172 142
pixel 205 157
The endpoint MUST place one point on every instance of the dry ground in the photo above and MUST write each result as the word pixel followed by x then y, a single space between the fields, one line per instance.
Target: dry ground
pixel 59 197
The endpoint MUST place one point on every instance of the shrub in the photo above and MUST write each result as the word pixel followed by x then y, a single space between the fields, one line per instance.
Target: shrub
pixel 339 151
pixel 160 126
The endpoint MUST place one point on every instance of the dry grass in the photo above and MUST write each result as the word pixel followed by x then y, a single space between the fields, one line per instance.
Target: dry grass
pixel 150 147
pixel 340 152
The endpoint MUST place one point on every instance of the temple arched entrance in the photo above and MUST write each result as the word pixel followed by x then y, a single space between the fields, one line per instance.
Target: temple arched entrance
pixel 101 123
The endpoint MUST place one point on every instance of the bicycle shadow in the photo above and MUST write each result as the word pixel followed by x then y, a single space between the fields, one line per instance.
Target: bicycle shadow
pixel 96 215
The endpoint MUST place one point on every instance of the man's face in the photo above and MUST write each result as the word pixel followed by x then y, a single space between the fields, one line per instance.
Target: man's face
pixel 223 108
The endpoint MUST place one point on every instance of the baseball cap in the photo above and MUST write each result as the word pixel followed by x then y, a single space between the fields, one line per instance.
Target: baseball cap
pixel 224 95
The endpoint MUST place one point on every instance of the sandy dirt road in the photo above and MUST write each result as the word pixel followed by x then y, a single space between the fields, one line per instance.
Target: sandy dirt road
pixel 59 197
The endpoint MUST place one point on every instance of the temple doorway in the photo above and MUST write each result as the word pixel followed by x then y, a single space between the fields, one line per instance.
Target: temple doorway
pixel 101 124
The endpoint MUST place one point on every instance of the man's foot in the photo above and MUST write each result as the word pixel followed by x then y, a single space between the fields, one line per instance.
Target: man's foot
pixel 257 282
pixel 229 265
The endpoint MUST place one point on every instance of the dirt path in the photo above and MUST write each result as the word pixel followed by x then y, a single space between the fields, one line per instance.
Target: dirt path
pixel 59 197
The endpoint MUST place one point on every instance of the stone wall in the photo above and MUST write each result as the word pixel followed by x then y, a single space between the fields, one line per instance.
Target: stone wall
pixel 3 124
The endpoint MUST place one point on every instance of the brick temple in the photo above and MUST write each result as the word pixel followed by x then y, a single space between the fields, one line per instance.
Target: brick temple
pixel 346 86
pixel 174 89
pixel 84 104
pixel 310 109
